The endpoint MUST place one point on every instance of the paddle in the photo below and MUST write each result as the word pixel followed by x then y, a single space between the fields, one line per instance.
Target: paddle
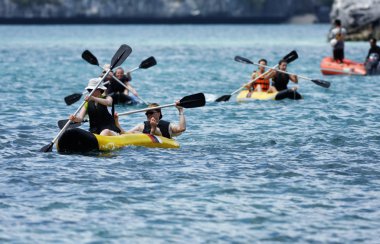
pixel 119 57
pixel 322 83
pixel 145 64
pixel 62 123
pixel 190 101
pixel 290 57
pixel 73 98
pixel 90 58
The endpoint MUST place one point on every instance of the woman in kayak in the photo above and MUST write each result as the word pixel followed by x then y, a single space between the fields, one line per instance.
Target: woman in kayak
pixel 101 120
pixel 262 84
pixel 154 124
pixel 281 81
pixel 118 92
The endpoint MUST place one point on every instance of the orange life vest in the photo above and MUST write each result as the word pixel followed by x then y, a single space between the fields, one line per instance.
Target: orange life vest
pixel 264 83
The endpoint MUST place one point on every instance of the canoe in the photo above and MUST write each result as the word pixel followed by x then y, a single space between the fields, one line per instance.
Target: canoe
pixel 243 96
pixel 80 141
pixel 348 67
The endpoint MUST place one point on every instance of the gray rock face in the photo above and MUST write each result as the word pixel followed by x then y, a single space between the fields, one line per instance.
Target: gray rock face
pixel 360 17
pixel 275 9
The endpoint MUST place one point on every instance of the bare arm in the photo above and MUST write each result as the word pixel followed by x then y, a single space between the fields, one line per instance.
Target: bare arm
pixel 293 78
pixel 137 129
pixel 116 117
pixel 181 127
pixel 80 116
pixel 130 88
pixel 270 74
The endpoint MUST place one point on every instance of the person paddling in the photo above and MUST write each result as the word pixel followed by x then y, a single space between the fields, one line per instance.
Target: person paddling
pixel 101 120
pixel 262 84
pixel 154 124
pixel 118 92
pixel 281 81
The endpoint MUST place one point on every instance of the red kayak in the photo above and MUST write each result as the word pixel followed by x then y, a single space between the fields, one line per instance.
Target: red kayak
pixel 330 67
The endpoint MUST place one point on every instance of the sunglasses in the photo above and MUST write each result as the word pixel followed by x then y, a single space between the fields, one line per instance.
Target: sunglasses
pixel 151 112
pixel 90 90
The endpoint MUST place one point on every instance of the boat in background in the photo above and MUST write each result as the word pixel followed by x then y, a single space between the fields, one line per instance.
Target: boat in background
pixel 348 67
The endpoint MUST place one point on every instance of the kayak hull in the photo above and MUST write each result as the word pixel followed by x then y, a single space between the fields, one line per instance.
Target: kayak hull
pixel 81 141
pixel 243 96
pixel 348 67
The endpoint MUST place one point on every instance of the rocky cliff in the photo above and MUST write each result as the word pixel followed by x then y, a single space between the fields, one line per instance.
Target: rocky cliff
pixel 361 18
pixel 150 11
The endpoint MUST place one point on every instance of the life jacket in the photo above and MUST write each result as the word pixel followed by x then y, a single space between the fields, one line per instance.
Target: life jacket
pixel 280 81
pixel 100 118
pixel 264 83
pixel 162 125
pixel 339 35
pixel 115 87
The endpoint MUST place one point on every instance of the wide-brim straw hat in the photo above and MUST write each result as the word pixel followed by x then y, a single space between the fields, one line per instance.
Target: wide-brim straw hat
pixel 92 84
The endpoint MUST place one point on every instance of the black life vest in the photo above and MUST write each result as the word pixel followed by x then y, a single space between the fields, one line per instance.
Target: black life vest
pixel 280 81
pixel 100 118
pixel 115 87
pixel 162 125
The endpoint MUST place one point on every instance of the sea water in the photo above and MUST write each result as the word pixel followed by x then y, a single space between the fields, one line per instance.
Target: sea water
pixel 263 171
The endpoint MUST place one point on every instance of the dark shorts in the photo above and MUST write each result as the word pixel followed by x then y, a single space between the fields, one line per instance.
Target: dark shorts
pixel 338 54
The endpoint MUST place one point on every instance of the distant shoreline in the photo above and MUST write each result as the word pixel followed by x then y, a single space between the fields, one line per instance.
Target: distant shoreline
pixel 173 20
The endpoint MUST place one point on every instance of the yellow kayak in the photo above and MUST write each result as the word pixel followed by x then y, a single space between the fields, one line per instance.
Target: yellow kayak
pixel 244 97
pixel 108 143
pixel 78 140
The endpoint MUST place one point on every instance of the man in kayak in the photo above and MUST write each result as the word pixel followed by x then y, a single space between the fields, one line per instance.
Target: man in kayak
pixel 336 36
pixel 154 124
pixel 373 57
pixel 118 92
pixel 96 106
pixel 281 81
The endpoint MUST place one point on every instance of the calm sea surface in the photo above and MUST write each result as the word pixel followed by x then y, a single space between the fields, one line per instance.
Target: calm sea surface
pixel 265 171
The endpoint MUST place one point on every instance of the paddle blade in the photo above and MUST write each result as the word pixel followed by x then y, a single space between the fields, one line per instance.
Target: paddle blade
pixel 243 60
pixel 147 63
pixel 73 98
pixel 90 58
pixel 120 56
pixel 223 98
pixel 47 148
pixel 62 123
pixel 193 101
pixel 290 57
pixel 323 83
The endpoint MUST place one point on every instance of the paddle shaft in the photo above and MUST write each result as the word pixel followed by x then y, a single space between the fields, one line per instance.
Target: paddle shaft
pixel 121 83
pixel 146 109
pixel 281 71
pixel 258 77
pixel 80 107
